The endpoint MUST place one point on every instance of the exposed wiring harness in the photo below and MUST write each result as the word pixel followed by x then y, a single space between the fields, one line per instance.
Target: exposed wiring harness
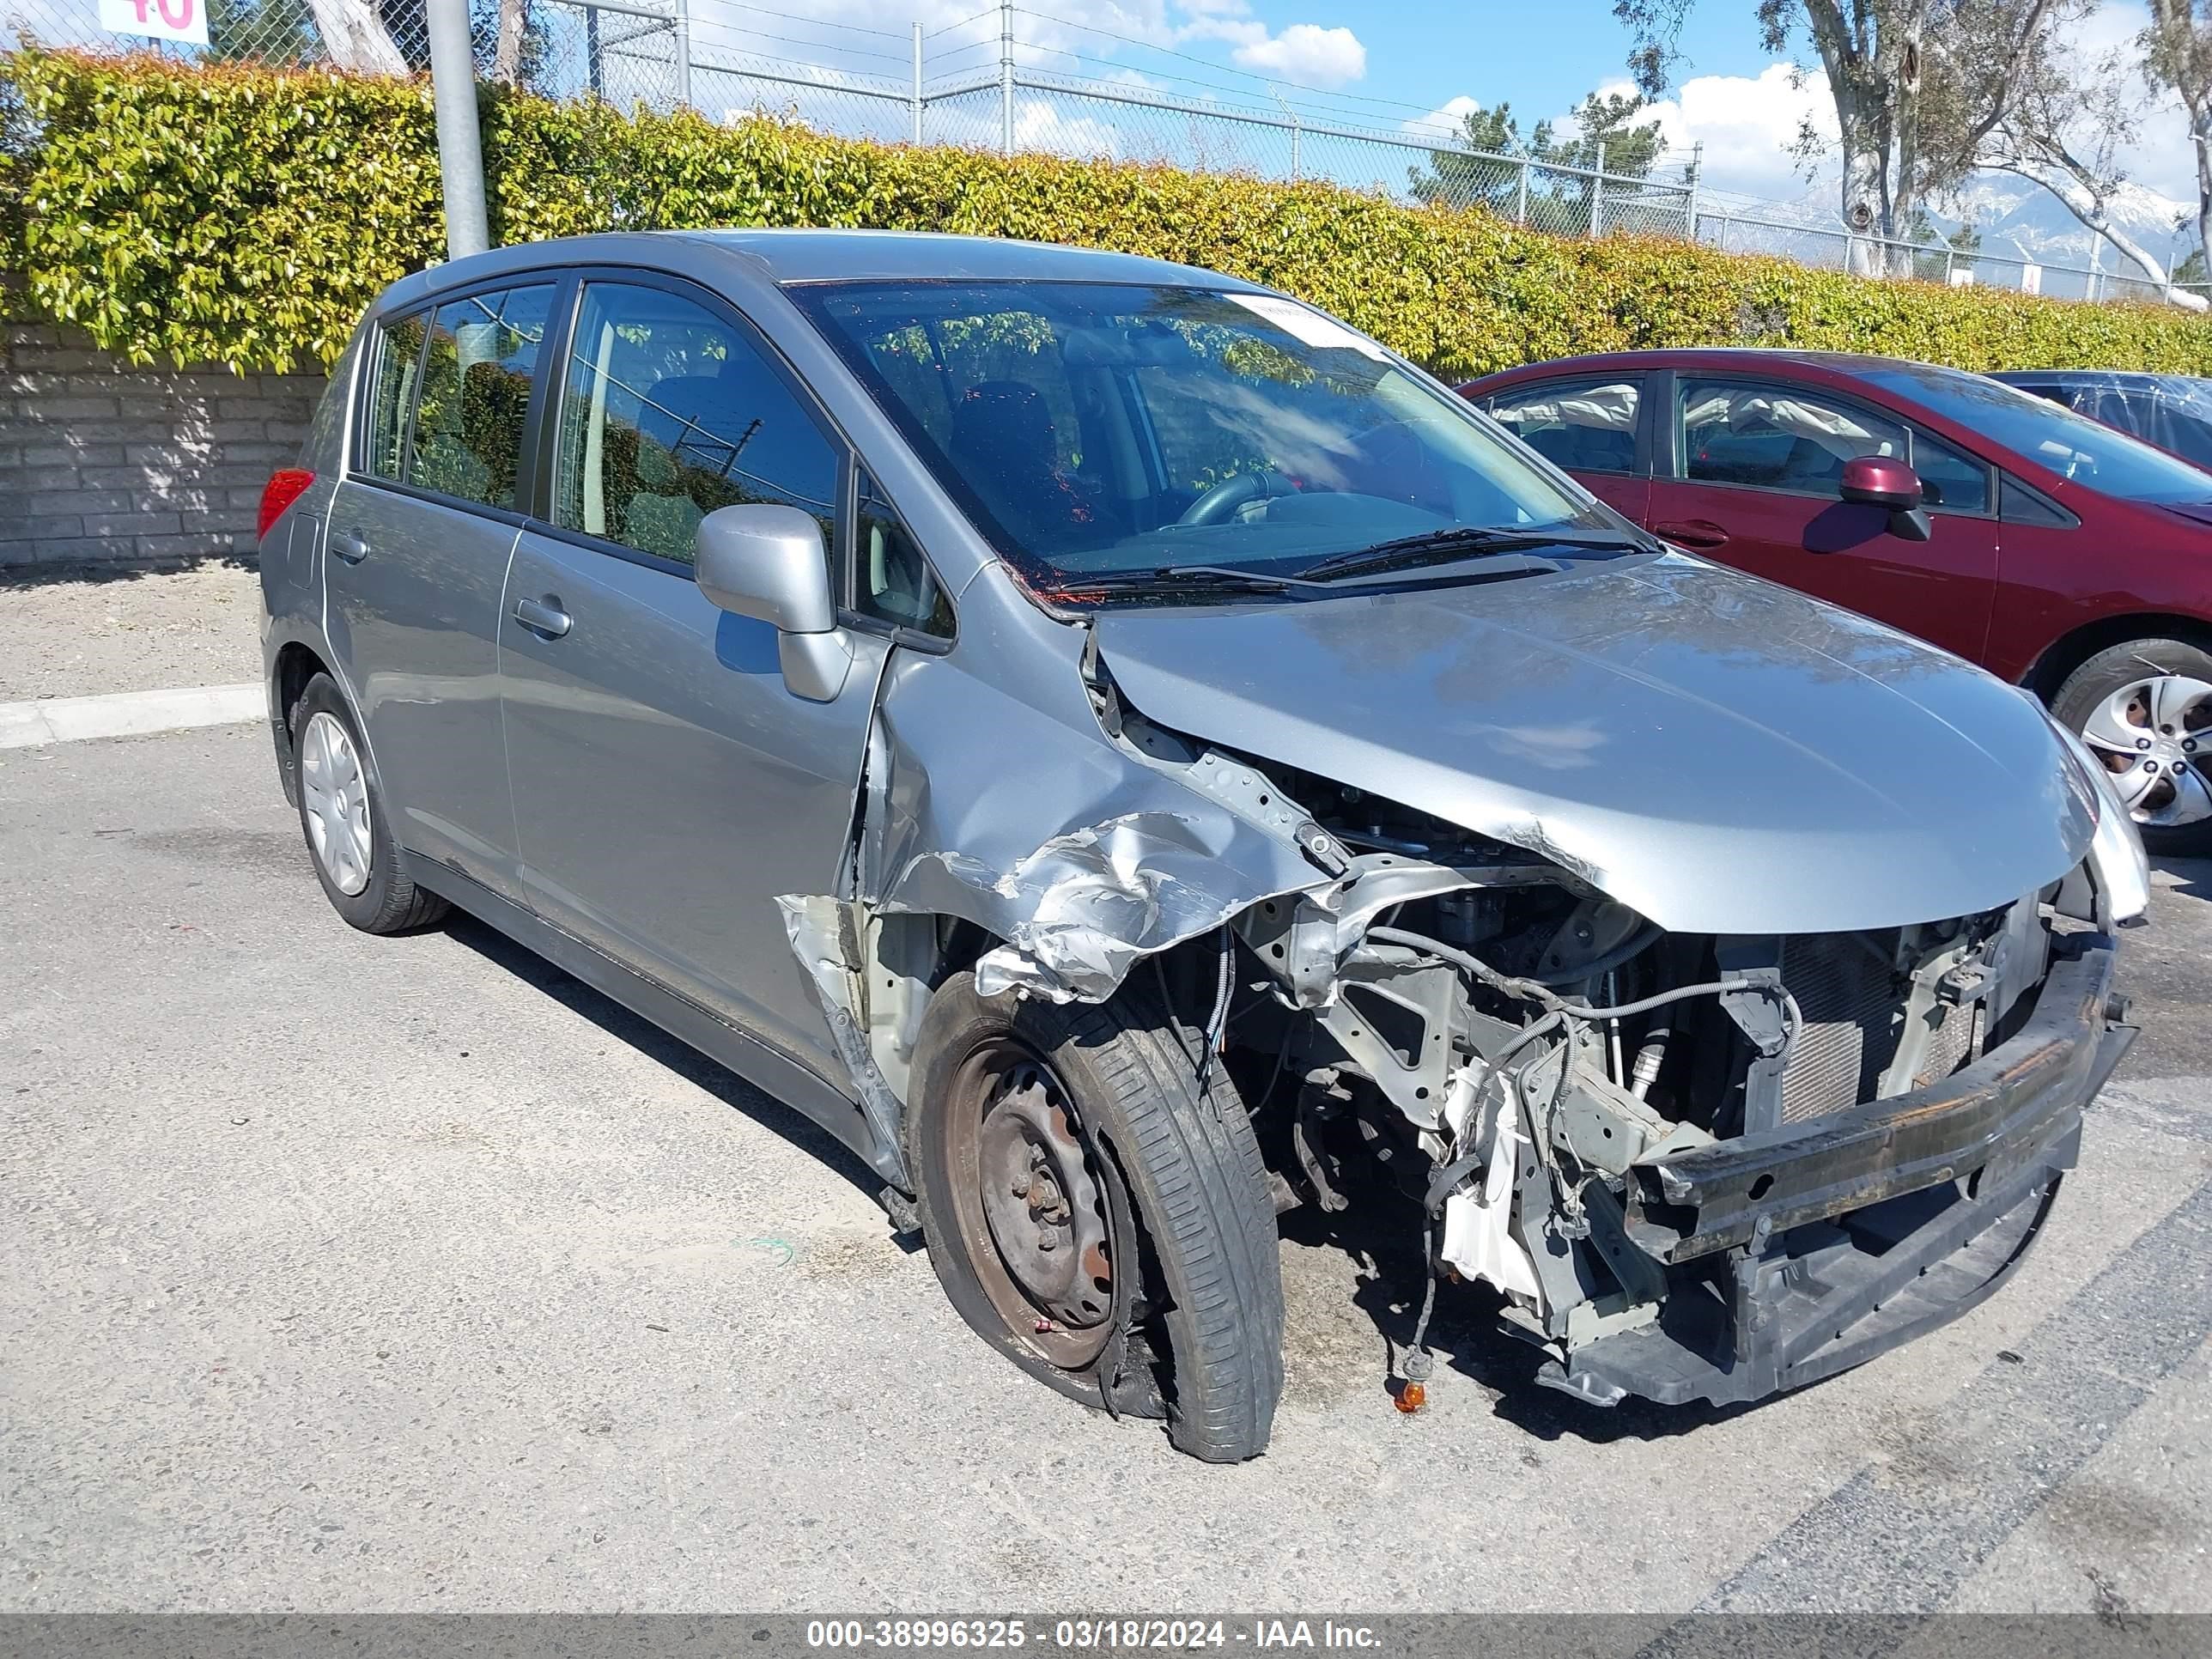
pixel 1558 1011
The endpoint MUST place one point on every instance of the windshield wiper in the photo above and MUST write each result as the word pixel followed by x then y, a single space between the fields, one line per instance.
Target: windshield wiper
pixel 1430 546
pixel 1176 576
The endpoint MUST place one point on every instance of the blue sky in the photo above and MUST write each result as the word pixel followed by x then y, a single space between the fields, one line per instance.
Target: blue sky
pixel 1538 58
pixel 1384 65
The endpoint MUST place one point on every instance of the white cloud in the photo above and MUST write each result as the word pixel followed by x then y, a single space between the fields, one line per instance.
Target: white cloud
pixel 1309 54
pixel 1306 53
pixel 1447 119
pixel 1749 126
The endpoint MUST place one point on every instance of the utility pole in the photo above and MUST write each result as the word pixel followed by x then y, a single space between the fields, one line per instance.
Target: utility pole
pixel 682 54
pixel 460 150
pixel 1005 77
pixel 1597 195
pixel 1697 182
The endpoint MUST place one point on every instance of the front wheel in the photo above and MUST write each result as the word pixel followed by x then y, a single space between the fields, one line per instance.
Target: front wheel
pixel 2145 710
pixel 1092 1219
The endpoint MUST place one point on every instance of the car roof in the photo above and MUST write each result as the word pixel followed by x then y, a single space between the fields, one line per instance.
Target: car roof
pixel 1843 362
pixel 812 256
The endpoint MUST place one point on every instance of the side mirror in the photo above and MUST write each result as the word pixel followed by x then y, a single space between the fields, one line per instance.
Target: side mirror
pixel 768 563
pixel 1881 481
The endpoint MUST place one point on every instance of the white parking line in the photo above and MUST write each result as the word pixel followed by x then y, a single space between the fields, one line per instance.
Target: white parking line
pixel 128 713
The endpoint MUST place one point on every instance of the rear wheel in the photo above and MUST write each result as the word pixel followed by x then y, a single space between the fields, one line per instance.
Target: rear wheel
pixel 2145 710
pixel 343 819
pixel 1092 1219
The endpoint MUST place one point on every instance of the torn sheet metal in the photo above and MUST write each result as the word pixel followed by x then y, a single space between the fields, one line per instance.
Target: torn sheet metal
pixel 824 935
pixel 1082 855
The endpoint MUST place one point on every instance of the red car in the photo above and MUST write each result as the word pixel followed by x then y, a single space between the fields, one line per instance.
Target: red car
pixel 2065 556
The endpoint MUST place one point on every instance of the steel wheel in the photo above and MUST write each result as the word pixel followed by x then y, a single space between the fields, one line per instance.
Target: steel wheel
pixel 1030 1204
pixel 335 795
pixel 2155 736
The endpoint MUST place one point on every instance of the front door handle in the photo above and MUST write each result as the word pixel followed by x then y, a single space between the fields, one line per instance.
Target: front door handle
pixel 348 546
pixel 1693 533
pixel 544 617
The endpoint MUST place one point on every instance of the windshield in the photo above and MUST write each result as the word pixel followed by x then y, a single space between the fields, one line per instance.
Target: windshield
pixel 2073 446
pixel 1107 431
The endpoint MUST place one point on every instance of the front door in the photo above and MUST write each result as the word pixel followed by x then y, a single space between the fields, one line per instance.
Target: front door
pixel 668 787
pixel 1754 483
pixel 420 531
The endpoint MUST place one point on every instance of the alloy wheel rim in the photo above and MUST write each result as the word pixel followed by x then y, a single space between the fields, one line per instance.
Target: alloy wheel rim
pixel 2154 737
pixel 335 793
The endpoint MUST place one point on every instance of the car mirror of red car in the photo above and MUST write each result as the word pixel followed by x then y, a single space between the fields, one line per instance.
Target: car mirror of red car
pixel 1881 481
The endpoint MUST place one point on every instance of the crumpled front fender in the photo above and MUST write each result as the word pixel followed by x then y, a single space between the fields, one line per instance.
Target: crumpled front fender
pixel 1081 853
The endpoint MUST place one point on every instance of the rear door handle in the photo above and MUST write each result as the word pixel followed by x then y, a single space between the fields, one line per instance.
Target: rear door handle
pixel 348 546
pixel 1693 533
pixel 543 616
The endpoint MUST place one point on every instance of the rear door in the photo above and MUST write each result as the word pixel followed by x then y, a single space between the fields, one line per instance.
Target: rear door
pixel 421 530
pixel 1751 478
pixel 668 786
pixel 1594 427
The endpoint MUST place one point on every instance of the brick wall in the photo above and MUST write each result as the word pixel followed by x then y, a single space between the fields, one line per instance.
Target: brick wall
pixel 102 460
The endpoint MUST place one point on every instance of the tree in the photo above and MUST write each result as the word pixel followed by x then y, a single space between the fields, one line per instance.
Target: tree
pixel 273 31
pixel 2177 54
pixel 2066 121
pixel 1916 85
pixel 355 35
pixel 1478 174
pixel 1936 256
pixel 508 40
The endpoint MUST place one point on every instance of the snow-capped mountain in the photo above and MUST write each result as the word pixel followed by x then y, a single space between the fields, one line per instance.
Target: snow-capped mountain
pixel 2017 217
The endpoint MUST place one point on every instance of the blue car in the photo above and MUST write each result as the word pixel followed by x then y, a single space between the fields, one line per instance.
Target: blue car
pixel 2173 412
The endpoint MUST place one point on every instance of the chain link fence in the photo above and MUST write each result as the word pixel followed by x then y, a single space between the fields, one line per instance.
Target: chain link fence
pixel 1014 80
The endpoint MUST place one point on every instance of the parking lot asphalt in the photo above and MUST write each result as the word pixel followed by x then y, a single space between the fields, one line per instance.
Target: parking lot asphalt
pixel 349 1275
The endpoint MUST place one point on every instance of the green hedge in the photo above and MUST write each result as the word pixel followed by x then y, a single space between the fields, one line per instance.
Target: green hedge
pixel 246 215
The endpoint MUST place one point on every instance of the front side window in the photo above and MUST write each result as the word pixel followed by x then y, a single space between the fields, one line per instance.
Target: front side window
pixel 1950 479
pixel 398 359
pixel 1108 430
pixel 1777 437
pixel 475 395
pixel 1582 426
pixel 2072 446
pixel 892 582
pixel 668 411
pixel 1770 435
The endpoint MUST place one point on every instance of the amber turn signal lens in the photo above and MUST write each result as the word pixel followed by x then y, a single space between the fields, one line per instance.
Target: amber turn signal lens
pixel 1413 1397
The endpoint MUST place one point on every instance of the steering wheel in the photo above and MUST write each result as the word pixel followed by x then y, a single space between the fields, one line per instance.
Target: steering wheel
pixel 1224 498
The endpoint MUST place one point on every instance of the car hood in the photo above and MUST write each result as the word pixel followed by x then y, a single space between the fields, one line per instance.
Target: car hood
pixel 1720 754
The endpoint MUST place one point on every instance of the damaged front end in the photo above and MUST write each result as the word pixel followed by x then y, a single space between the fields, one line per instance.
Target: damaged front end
pixel 1689 1165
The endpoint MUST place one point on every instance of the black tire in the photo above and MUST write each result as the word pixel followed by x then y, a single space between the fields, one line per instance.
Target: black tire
pixel 1197 1331
pixel 2117 666
pixel 388 902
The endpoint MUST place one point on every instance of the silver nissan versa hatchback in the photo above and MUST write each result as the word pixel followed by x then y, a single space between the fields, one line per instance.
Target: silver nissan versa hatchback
pixel 1116 745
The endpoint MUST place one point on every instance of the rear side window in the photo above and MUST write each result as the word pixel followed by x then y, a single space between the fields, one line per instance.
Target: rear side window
pixel 668 411
pixel 1581 426
pixel 398 361
pixel 475 394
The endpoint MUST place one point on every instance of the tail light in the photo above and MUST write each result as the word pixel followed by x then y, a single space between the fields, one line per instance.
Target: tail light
pixel 284 487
